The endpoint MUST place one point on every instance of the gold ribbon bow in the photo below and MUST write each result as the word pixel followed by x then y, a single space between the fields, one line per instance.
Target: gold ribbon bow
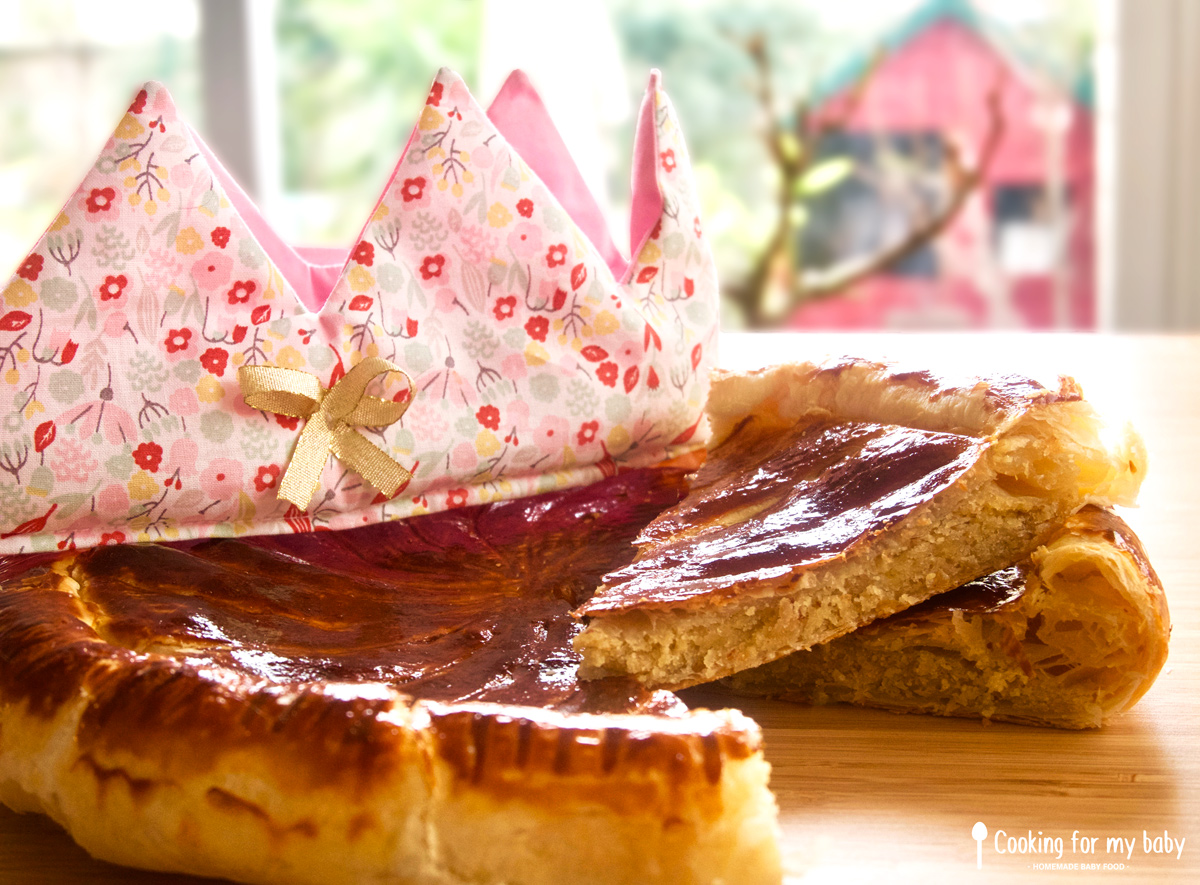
pixel 332 414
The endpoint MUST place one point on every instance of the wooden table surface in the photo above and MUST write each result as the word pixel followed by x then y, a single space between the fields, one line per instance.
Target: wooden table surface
pixel 867 796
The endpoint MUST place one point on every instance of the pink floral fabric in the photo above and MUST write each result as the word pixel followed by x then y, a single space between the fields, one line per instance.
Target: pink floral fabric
pixel 535 366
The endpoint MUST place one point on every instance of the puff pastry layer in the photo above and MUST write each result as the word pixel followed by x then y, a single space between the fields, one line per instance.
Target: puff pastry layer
pixel 1070 637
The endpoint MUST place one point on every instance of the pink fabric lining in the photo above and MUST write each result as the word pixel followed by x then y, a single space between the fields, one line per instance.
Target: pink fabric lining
pixel 647 202
pixel 312 273
pixel 519 115
pixel 325 265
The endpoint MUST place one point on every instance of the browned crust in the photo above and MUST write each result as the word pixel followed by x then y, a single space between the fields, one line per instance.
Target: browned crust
pixel 855 389
pixel 151 705
pixel 245 710
pixel 180 720
pixel 162 643
pixel 516 753
pixel 1004 393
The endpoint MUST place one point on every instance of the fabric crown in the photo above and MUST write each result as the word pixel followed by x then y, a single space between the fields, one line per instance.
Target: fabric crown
pixel 528 354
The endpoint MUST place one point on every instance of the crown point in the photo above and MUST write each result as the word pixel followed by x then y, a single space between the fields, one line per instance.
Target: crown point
pixel 517 79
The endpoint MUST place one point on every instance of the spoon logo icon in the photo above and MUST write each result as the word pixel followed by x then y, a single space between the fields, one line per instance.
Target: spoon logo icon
pixel 979 833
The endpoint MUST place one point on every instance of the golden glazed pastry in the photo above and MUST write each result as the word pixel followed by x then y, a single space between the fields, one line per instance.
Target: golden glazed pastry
pixel 1069 638
pixel 397 703
pixel 837 494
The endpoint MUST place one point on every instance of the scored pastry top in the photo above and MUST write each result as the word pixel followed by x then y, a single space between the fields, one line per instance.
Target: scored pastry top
pixel 764 505
pixel 447 635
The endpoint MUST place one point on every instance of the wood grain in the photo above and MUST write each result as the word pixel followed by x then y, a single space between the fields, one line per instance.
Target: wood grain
pixel 873 797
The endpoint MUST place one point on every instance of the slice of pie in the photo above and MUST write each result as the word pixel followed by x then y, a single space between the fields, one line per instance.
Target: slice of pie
pixel 1069 637
pixel 837 494
pixel 397 703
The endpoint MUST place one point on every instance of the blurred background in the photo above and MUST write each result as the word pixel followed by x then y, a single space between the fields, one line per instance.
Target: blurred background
pixel 865 164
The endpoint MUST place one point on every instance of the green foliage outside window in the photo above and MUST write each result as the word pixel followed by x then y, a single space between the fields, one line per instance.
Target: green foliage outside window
pixel 353 78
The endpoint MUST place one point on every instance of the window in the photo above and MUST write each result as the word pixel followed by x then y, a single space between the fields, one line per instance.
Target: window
pixel 895 182
pixel 1082 152
pixel 68 68
pixel 1028 237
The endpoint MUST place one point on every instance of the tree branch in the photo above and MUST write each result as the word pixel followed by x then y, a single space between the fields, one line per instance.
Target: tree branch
pixel 814 285
pixel 792 153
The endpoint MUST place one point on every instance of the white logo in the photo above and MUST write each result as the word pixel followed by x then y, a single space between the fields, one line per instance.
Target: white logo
pixel 1082 851
pixel 979 833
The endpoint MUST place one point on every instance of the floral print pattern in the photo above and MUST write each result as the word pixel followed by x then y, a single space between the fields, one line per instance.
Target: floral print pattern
pixel 121 333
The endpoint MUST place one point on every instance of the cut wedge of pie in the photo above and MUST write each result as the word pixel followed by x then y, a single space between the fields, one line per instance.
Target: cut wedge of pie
pixel 397 703
pixel 1070 637
pixel 838 494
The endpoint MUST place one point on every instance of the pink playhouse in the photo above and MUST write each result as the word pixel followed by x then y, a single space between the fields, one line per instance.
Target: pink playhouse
pixel 1020 254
